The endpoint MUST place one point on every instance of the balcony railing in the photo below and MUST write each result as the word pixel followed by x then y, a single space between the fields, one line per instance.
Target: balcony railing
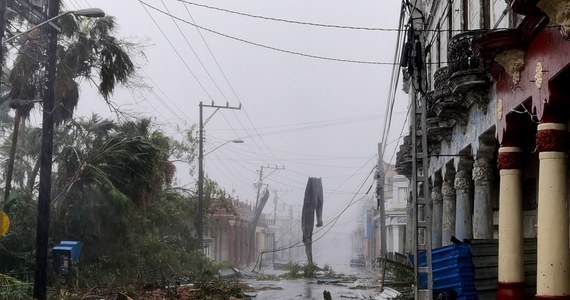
pixel 461 56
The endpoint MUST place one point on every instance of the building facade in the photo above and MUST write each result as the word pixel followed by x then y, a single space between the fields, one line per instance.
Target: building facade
pixel 228 230
pixel 368 235
pixel 497 94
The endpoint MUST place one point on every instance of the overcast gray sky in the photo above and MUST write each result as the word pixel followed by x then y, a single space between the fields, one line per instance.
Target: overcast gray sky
pixel 314 117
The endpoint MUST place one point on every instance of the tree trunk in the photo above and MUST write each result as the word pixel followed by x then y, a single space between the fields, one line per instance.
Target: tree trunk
pixel 32 177
pixel 14 146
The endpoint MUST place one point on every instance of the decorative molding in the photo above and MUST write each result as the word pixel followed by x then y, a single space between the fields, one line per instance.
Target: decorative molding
pixel 447 189
pixel 558 12
pixel 462 181
pixel 538 75
pixel 509 160
pixel 499 109
pixel 551 140
pixel 436 195
pixel 482 171
pixel 512 61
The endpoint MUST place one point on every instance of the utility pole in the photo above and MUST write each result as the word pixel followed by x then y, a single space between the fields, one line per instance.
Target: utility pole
pixel 420 178
pixel 258 210
pixel 380 197
pixel 200 218
pixel 260 182
pixel 44 197
pixel 275 225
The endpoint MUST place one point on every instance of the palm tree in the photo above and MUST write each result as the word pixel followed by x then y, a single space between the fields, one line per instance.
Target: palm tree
pixel 87 49
pixel 109 172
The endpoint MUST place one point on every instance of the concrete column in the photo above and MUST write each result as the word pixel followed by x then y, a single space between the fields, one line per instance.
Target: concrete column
pixel 511 265
pixel 437 214
pixel 482 210
pixel 448 217
pixel 463 205
pixel 553 260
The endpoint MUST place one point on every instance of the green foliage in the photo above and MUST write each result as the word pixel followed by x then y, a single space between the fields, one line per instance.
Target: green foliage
pixel 329 272
pixel 11 288
pixel 309 270
pixel 113 191
pixel 16 247
pixel 219 289
pixel 293 270
pixel 401 274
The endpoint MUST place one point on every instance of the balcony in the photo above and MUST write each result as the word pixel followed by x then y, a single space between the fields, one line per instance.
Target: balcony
pixel 467 70
pixel 525 7
pixel 404 158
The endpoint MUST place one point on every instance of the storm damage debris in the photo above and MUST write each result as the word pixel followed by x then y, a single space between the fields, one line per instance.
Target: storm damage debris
pixel 312 204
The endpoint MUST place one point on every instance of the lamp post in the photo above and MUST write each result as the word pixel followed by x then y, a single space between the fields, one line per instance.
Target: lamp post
pixel 87 12
pixel 44 197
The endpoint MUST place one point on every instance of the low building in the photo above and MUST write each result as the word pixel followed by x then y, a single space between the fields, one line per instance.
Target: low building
pixel 227 232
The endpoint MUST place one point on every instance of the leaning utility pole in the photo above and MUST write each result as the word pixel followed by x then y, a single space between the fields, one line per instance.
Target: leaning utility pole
pixel 200 218
pixel 258 209
pixel 44 197
pixel 260 182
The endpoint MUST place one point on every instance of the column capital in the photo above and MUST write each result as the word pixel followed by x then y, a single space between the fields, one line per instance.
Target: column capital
pixel 447 189
pixel 462 180
pixel 482 171
pixel 436 195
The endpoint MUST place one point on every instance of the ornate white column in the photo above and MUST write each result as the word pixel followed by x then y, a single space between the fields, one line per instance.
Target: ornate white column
pixel 437 211
pixel 511 265
pixel 463 205
pixel 553 260
pixel 448 217
pixel 482 210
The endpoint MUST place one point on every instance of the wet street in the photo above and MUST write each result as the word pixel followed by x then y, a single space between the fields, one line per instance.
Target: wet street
pixel 363 288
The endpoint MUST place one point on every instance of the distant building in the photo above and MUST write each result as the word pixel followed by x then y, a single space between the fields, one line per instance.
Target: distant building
pixel 396 218
pixel 367 237
pixel 227 232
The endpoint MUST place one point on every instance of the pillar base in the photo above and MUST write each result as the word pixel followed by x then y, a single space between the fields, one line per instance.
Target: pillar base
pixel 511 290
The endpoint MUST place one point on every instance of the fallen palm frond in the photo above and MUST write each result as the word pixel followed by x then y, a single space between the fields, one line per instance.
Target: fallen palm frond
pixel 11 288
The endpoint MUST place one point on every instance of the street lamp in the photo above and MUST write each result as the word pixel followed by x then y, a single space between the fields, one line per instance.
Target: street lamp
pixel 236 141
pixel 46 151
pixel 200 227
pixel 87 12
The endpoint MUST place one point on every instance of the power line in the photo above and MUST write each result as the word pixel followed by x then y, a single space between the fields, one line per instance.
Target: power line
pixel 393 84
pixel 230 86
pixel 322 124
pixel 212 54
pixel 291 21
pixel 365 28
pixel 266 46
pixel 176 51
pixel 194 52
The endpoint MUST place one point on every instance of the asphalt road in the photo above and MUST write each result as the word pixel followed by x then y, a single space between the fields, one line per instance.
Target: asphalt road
pixel 363 288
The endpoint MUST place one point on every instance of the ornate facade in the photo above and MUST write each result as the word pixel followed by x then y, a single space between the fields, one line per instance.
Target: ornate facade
pixel 498 101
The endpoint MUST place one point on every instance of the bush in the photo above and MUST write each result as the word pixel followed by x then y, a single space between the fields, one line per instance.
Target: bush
pixel 293 270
